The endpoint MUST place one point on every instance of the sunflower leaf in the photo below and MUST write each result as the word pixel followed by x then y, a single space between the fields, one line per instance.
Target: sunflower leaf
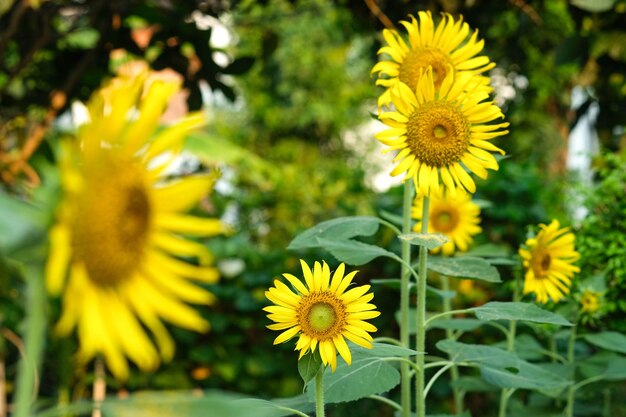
pixel 367 375
pixel 496 310
pixel 613 341
pixel 354 252
pixel 342 228
pixel 504 369
pixel 465 267
pixel 309 365
pixel 187 403
pixel 430 240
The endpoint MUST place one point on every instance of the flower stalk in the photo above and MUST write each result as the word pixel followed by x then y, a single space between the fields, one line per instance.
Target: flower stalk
pixel 404 297
pixel 505 394
pixel 34 340
pixel 571 361
pixel 319 392
pixel 420 331
pixel 454 371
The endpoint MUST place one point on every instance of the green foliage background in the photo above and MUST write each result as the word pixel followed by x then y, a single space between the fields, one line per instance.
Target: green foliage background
pixel 297 81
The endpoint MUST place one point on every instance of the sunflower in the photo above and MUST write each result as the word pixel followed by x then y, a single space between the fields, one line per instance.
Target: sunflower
pixel 115 246
pixel 590 301
pixel 455 217
pixel 322 312
pixel 548 259
pixel 440 135
pixel 446 48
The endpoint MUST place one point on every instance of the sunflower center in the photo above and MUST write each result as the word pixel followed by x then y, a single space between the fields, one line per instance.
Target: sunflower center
pixel 112 224
pixel 444 220
pixel 423 58
pixel 541 264
pixel 545 262
pixel 438 134
pixel 321 315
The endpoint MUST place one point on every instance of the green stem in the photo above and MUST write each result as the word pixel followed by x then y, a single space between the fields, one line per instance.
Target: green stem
pixel 407 204
pixel 319 393
pixel 391 340
pixel 454 371
pixel 293 411
pixel 420 331
pixel 446 313
pixel 505 394
pixel 387 401
pixel 34 339
pixel 571 358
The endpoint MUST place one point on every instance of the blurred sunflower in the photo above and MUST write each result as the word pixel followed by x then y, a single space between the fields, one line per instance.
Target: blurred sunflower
pixel 590 301
pixel 548 259
pixel 446 48
pixel 114 248
pixel 455 217
pixel 441 134
pixel 322 312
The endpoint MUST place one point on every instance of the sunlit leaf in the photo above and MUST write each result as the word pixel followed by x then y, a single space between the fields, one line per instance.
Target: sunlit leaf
pixel 496 310
pixel 342 228
pixel 464 267
pixel 430 240
pixel 353 252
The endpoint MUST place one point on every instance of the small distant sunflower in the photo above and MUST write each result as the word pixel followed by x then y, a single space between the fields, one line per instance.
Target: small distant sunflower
pixel 455 217
pixel 446 48
pixel 114 249
pixel 548 259
pixel 440 135
pixel 322 312
pixel 590 301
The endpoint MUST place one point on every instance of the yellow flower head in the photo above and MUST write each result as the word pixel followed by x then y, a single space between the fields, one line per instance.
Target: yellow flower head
pixel 548 259
pixel 446 48
pixel 322 312
pixel 455 217
pixel 442 134
pixel 114 248
pixel 590 301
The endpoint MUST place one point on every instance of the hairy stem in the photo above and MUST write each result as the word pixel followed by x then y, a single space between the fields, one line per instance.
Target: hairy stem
pixel 420 331
pixel 319 393
pixel 407 203
pixel 571 358
pixel 34 340
pixel 454 371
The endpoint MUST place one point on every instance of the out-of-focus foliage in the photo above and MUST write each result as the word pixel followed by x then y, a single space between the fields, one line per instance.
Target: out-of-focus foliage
pixel 312 72
pixel 601 238
pixel 57 51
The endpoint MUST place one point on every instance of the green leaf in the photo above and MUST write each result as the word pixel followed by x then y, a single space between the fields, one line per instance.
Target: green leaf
pixel 342 229
pixel 430 240
pixel 503 369
pixel 610 366
pixel 214 150
pixel 177 403
pixel 473 384
pixel 613 341
pixel 277 407
pixel 83 38
pixel 464 325
pixel 21 224
pixel 354 252
pixel 395 284
pixel 370 373
pixel 465 267
pixel 524 375
pixel 594 6
pixel 386 350
pixel 488 250
pixel 309 366
pixel 496 310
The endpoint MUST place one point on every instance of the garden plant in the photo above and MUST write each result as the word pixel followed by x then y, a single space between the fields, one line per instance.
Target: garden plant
pixel 183 232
